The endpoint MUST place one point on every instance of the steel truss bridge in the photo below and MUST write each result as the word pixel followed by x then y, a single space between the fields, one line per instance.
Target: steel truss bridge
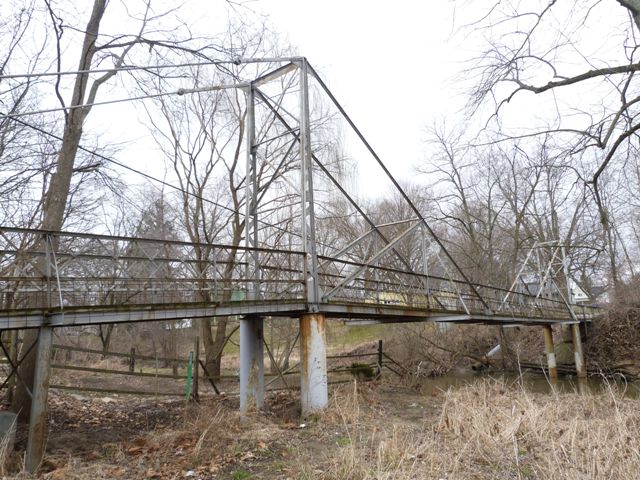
pixel 392 272
pixel 61 279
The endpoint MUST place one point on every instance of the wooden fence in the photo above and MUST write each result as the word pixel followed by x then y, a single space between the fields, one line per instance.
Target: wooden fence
pixel 196 371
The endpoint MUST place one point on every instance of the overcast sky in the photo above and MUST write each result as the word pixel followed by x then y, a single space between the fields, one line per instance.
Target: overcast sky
pixel 391 65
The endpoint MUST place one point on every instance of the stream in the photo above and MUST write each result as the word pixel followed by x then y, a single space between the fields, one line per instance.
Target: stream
pixel 533 382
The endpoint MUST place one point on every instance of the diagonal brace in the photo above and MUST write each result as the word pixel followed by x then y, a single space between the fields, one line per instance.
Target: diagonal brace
pixel 373 259
pixel 14 368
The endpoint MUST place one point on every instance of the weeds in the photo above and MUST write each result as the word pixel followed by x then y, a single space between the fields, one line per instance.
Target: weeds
pixel 494 430
pixel 7 440
pixel 489 429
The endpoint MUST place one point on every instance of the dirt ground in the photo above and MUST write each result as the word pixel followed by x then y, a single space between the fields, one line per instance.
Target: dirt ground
pixel 109 437
pixel 491 429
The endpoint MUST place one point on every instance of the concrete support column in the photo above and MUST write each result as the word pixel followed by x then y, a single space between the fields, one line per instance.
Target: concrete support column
pixel 551 354
pixel 314 394
pixel 251 364
pixel 581 369
pixel 38 418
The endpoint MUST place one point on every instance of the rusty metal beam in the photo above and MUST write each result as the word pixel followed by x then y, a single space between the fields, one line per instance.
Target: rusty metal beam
pixel 291 308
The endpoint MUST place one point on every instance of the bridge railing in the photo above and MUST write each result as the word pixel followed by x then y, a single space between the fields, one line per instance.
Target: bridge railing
pixel 49 270
pixel 350 282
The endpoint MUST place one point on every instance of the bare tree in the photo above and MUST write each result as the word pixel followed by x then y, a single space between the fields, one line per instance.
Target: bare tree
pixel 588 94
pixel 96 49
pixel 202 138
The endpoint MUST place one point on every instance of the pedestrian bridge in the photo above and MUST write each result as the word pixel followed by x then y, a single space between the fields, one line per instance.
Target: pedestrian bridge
pixel 393 272
pixel 65 279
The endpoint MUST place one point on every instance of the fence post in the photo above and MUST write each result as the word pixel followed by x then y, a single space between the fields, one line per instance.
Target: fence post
pixel 132 360
pixel 379 358
pixel 189 375
pixel 196 375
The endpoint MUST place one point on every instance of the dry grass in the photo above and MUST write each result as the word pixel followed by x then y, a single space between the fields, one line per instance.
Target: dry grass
pixel 428 350
pixel 6 444
pixel 488 430
pixel 492 430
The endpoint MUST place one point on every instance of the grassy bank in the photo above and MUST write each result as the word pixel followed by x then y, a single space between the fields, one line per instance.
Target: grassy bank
pixel 488 430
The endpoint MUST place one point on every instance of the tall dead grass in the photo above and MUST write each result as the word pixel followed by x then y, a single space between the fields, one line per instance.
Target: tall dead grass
pixel 494 430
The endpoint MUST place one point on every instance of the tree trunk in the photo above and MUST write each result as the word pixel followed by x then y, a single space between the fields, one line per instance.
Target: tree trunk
pixel 56 197
pixel 213 346
pixel 105 332
pixel 21 402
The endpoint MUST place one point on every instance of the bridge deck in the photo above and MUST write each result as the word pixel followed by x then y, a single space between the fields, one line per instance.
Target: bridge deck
pixel 382 313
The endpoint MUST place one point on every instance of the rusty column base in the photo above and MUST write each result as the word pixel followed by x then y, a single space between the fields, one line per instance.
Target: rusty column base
pixel 314 394
pixel 581 369
pixel 251 363
pixel 550 351
pixel 38 417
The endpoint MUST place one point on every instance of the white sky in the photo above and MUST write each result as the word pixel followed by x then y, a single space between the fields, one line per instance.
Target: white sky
pixel 394 66
pixel 390 64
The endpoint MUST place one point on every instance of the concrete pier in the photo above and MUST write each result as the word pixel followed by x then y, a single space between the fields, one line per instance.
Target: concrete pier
pixel 576 338
pixel 550 351
pixel 251 363
pixel 314 395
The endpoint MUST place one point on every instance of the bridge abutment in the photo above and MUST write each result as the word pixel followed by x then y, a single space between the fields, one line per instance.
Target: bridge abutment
pixel 251 363
pixel 314 395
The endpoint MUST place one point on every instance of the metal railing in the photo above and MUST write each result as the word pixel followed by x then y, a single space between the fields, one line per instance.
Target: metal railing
pixel 45 270
pixel 42 270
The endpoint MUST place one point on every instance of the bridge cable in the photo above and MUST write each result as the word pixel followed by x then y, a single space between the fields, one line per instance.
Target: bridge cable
pixel 335 181
pixel 162 182
pixel 130 68
pixel 395 183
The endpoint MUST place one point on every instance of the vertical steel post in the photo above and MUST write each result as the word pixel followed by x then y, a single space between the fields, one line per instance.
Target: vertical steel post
pixel 565 269
pixel 251 195
pixel 380 359
pixel 196 372
pixel 251 327
pixel 38 416
pixel 551 354
pixel 581 369
pixel 47 271
pixel 306 177
pixel 314 394
pixel 251 363
pixel 425 264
